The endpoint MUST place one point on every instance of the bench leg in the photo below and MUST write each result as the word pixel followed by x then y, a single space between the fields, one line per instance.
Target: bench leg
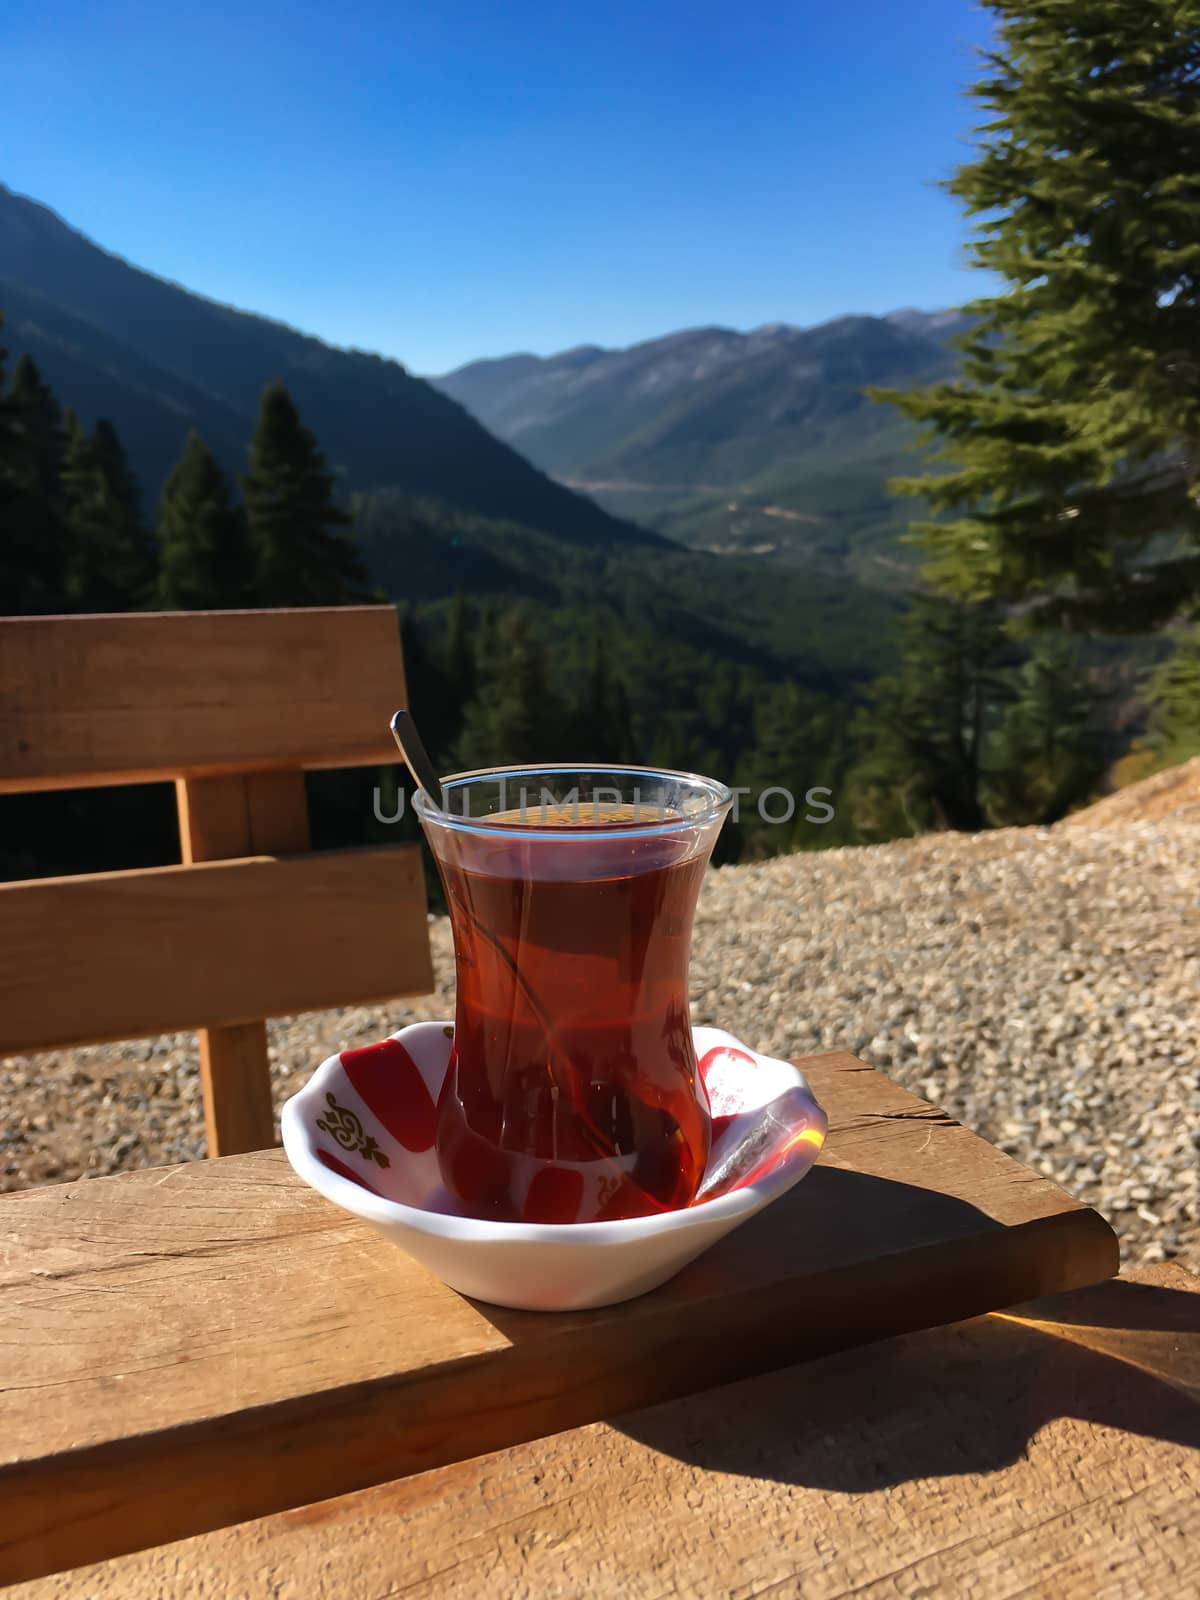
pixel 236 1077
pixel 264 814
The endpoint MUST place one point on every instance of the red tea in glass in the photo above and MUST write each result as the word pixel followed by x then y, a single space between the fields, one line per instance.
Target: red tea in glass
pixel 572 1094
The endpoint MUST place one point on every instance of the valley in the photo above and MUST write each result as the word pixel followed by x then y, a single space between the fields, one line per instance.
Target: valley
pixel 763 443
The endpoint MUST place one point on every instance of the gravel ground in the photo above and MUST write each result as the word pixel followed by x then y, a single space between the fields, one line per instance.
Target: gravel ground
pixel 1042 986
pixel 1174 792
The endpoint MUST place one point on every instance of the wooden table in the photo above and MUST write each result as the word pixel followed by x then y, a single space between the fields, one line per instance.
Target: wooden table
pixel 1054 1450
pixel 189 1348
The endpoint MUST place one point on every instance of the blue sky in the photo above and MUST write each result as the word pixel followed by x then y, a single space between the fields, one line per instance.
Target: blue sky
pixel 461 178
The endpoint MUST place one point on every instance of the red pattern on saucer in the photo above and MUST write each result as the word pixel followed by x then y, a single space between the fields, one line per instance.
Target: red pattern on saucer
pixel 723 1073
pixel 390 1084
pixel 342 1170
pixel 752 1102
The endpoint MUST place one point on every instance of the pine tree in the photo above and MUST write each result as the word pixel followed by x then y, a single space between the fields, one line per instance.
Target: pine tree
pixel 1073 435
pixel 1049 750
pixel 109 566
pixel 40 419
pixel 458 673
pixel 602 729
pixel 460 653
pixel 624 742
pixel 515 717
pixel 204 553
pixel 302 553
pixel 926 731
pixel 487 644
pixel 1174 699
pixel 425 687
pixel 31 531
pixel 113 464
pixel 14 553
pixel 470 745
pixel 795 748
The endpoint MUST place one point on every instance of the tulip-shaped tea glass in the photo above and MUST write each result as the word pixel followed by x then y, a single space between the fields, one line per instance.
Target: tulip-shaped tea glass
pixel 572 1094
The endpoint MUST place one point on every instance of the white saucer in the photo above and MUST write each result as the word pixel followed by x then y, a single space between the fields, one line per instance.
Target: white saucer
pixel 361 1132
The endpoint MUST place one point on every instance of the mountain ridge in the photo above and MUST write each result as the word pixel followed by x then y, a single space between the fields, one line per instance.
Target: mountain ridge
pixel 116 340
pixel 904 316
pixel 720 437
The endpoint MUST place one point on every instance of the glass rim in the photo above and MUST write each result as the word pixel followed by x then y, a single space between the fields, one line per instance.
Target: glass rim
pixel 720 801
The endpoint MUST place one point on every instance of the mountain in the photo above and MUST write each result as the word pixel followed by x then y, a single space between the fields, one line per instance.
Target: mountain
pixel 440 506
pixel 695 646
pixel 155 359
pixel 761 442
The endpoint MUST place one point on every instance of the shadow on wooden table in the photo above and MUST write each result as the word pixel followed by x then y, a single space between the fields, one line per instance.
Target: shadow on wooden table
pixel 967 1398
pixel 844 1258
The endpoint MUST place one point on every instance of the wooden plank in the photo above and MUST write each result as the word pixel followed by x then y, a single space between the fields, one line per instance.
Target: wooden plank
pixel 277 809
pixel 123 954
pixel 1001 1455
pixel 235 1077
pixel 235 1066
pixel 213 820
pixel 130 698
pixel 236 816
pixel 263 813
pixel 192 1347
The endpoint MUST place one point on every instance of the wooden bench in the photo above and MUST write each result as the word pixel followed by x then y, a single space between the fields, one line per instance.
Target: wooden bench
pixel 189 1348
pixel 234 707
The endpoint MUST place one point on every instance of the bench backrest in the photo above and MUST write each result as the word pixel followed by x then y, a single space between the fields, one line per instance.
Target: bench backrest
pixel 233 706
